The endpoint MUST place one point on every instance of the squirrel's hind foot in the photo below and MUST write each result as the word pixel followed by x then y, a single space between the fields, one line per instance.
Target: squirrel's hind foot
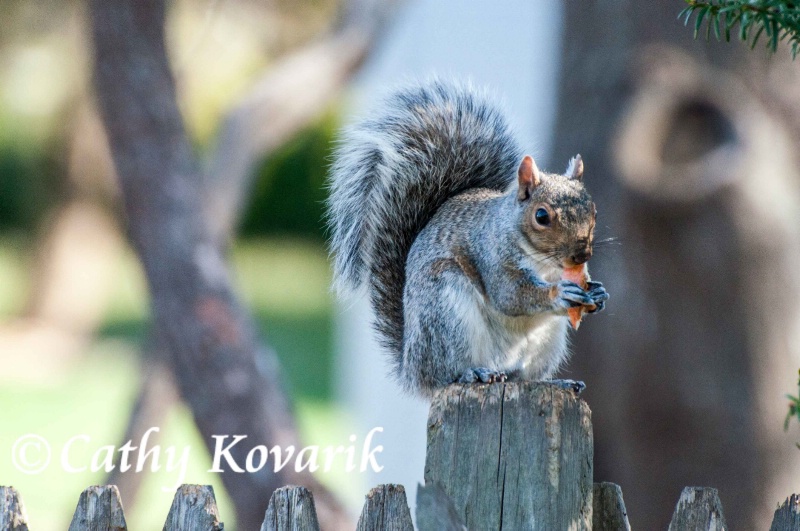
pixel 482 375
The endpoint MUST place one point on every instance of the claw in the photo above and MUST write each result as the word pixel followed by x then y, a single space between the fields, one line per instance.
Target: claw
pixel 599 306
pixel 592 285
pixel 575 386
pixel 482 375
pixel 599 295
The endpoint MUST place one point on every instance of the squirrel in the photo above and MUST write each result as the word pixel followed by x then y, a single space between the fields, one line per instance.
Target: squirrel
pixel 460 239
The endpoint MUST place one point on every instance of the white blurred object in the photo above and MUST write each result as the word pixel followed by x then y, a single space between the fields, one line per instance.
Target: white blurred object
pixel 513 48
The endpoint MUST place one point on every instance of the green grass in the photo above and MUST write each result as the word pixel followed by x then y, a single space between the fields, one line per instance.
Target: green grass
pixel 286 285
pixel 91 400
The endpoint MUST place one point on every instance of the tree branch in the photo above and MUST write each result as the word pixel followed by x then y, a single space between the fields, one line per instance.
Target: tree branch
pixel 286 98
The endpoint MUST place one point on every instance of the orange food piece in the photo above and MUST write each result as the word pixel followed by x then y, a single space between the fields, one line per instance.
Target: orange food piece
pixel 578 274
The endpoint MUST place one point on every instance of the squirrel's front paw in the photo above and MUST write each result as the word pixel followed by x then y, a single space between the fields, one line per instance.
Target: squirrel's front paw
pixel 570 295
pixel 598 294
pixel 482 375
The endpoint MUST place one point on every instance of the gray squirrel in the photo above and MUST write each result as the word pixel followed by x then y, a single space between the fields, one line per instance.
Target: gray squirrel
pixel 460 240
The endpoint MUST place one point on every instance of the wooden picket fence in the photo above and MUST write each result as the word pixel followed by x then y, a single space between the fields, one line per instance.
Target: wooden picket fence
pixel 503 456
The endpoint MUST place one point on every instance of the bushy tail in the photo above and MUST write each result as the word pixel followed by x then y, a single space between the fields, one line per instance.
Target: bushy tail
pixel 393 171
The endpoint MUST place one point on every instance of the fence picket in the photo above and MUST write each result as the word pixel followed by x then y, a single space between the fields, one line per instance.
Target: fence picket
pixel 386 509
pixel 291 509
pixel 787 516
pixel 99 509
pixel 698 509
pixel 194 508
pixel 609 512
pixel 12 512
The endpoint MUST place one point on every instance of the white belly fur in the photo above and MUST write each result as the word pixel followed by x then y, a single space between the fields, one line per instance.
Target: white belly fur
pixel 535 345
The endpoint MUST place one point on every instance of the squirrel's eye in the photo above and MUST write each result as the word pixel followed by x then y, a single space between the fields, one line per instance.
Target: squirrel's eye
pixel 542 217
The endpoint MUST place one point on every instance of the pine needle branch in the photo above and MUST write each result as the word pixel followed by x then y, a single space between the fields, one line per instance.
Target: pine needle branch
pixel 777 20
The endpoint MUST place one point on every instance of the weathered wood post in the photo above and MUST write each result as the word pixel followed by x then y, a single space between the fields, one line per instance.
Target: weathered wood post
pixel 609 509
pixel 787 516
pixel 698 509
pixel 385 509
pixel 99 508
pixel 12 512
pixel 193 507
pixel 291 508
pixel 511 456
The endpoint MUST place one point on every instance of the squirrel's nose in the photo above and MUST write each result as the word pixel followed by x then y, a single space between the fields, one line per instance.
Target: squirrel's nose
pixel 582 256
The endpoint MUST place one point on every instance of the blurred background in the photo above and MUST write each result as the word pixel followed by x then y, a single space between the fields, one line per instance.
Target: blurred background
pixel 690 152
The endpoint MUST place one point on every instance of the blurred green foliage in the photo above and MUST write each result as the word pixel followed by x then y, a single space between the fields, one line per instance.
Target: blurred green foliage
pixel 287 197
pixel 29 185
pixel 284 279
pixel 289 193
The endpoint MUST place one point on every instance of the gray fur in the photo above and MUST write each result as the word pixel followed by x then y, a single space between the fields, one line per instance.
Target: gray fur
pixel 424 211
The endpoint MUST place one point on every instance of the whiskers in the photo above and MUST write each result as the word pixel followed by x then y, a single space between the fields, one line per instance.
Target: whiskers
pixel 607 241
pixel 607 247
pixel 550 258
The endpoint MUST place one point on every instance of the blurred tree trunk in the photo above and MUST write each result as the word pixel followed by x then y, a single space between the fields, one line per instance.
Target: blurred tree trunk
pixel 690 151
pixel 232 383
pixel 182 218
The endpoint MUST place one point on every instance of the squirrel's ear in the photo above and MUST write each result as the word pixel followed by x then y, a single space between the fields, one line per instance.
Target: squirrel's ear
pixel 575 168
pixel 528 177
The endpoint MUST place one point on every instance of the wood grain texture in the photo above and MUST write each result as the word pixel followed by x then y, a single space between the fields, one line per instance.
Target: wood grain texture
pixel 787 516
pixel 386 509
pixel 698 509
pixel 512 456
pixel 609 512
pixel 99 509
pixel 12 512
pixel 291 509
pixel 435 510
pixel 193 508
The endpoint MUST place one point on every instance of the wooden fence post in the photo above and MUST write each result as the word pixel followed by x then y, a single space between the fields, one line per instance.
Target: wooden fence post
pixel 787 516
pixel 291 509
pixel 386 509
pixel 698 509
pixel 435 510
pixel 194 508
pixel 12 512
pixel 99 508
pixel 512 456
pixel 609 509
